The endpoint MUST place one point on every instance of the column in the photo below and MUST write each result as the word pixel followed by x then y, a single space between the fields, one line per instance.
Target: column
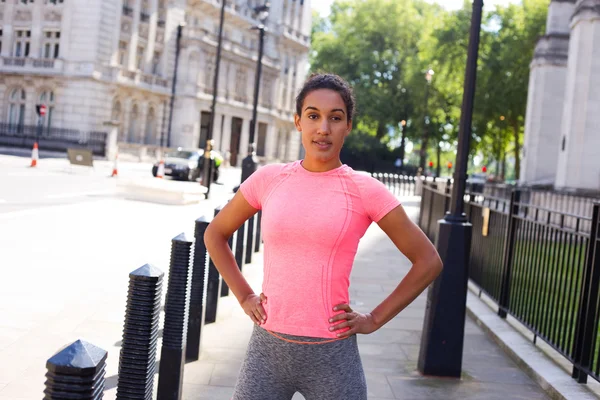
pixel 151 34
pixel 133 42
pixel 37 18
pixel 545 102
pixel 270 146
pixel 245 137
pixel 8 30
pixel 578 166
pixel 114 60
pixel 226 137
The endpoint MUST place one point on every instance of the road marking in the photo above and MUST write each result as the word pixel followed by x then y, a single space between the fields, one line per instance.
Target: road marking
pixel 80 194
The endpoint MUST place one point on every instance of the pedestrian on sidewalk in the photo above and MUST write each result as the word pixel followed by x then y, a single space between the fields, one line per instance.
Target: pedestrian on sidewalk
pixel 314 212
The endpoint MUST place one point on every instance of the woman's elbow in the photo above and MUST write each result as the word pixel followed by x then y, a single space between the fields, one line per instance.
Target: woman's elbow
pixel 435 264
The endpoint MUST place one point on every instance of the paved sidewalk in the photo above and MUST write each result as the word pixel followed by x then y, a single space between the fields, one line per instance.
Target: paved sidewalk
pixel 389 355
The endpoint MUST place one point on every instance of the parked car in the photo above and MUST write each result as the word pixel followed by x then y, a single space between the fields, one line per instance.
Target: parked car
pixel 188 164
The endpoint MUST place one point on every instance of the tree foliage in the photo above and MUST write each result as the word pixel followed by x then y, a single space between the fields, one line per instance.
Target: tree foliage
pixel 384 47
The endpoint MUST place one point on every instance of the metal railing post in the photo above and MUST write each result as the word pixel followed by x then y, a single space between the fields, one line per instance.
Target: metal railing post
pixel 508 253
pixel 586 329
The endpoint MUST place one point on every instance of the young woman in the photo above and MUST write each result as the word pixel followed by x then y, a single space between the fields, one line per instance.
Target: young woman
pixel 314 212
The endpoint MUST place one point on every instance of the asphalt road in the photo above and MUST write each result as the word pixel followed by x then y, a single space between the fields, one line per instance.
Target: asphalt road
pixel 55 182
pixel 68 241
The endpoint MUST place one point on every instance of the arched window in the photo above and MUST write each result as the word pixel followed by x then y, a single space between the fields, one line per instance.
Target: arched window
pixel 16 109
pixel 47 98
pixel 133 124
pixel 193 67
pixel 150 127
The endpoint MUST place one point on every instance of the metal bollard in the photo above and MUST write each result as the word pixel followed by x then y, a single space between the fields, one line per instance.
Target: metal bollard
pixel 249 239
pixel 137 361
pixel 239 246
pixel 213 288
pixel 199 283
pixel 76 372
pixel 172 357
pixel 257 238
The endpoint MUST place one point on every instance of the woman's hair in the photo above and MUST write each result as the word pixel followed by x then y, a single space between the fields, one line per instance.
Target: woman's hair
pixel 327 81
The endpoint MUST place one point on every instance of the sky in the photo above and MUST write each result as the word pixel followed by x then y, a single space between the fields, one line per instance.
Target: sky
pixel 322 6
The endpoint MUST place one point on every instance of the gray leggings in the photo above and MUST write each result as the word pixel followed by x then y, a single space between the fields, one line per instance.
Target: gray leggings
pixel 275 369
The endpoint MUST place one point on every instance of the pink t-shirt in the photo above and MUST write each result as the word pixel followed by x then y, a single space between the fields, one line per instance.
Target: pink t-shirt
pixel 311 225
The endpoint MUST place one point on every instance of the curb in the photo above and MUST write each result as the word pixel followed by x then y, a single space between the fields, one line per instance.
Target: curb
pixel 554 380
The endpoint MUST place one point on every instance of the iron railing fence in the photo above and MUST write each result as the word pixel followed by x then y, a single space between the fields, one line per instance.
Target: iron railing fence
pixel 55 139
pixel 400 185
pixel 540 266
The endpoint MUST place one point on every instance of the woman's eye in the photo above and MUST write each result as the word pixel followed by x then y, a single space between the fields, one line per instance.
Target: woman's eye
pixel 313 116
pixel 336 118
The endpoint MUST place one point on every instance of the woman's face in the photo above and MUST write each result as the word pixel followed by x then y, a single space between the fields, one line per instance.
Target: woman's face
pixel 324 125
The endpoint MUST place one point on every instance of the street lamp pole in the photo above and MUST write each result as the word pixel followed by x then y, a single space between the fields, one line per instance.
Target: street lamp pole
pixel 425 140
pixel 249 163
pixel 403 142
pixel 174 83
pixel 207 164
pixel 443 328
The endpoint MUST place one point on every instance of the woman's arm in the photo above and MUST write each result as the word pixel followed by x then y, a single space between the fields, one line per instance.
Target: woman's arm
pixel 227 221
pixel 427 265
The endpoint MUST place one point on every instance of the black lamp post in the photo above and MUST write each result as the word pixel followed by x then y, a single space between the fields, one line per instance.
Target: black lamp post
pixel 403 143
pixel 249 163
pixel 425 140
pixel 174 84
pixel 207 166
pixel 443 328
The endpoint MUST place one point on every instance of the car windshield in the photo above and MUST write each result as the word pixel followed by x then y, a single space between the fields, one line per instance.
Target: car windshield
pixel 188 155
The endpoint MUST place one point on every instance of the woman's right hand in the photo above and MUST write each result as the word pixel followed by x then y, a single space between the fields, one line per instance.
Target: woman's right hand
pixel 252 306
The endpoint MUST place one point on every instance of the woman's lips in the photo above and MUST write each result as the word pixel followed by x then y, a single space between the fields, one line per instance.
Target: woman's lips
pixel 322 144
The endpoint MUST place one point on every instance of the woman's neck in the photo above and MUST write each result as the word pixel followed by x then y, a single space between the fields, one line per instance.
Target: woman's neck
pixel 317 166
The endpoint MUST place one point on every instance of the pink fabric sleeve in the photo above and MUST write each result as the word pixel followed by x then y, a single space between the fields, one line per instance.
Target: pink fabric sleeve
pixel 253 189
pixel 377 199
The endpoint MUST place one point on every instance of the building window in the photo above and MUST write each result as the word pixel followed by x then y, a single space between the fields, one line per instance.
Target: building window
pixel 162 14
pixel 122 53
pixel 16 107
pixel 209 73
pixel 139 57
pixel 22 43
pixel 145 14
pixel 241 79
pixel 51 44
pixel 150 125
pixel 133 124
pixel 262 139
pixel 55 1
pixel 156 63
pixel 47 98
pixel 117 118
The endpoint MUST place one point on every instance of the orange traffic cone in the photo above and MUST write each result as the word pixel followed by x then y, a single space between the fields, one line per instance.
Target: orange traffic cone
pixel 34 155
pixel 160 172
pixel 115 171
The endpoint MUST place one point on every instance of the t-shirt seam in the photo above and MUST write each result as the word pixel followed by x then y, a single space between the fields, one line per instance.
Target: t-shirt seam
pixel 360 195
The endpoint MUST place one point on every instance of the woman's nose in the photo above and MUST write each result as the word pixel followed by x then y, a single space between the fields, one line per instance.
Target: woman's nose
pixel 324 127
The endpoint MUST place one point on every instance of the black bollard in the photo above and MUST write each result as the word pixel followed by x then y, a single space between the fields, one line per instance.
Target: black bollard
pixel 137 361
pixel 249 239
pixel 172 357
pixel 257 238
pixel 239 246
pixel 213 288
pixel 76 372
pixel 199 283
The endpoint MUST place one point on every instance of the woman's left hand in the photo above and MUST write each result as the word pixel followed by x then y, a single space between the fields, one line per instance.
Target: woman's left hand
pixel 357 322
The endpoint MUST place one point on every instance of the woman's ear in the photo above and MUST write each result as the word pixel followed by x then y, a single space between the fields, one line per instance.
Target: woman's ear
pixel 297 122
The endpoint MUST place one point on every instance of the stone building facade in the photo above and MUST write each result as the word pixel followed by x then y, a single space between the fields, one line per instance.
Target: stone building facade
pixel 99 61
pixel 562 124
